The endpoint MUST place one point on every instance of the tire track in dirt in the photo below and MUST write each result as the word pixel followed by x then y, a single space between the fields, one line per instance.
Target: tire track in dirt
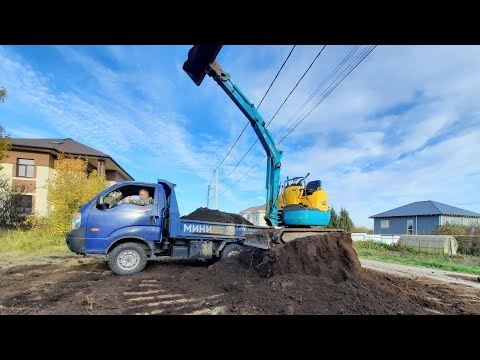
pixel 151 302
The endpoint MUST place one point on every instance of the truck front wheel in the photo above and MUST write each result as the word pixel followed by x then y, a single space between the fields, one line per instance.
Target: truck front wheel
pixel 230 250
pixel 127 259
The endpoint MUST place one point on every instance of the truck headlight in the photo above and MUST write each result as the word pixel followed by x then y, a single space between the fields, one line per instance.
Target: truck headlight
pixel 77 219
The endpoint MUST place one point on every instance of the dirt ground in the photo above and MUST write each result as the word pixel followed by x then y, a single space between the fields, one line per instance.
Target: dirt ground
pixel 317 275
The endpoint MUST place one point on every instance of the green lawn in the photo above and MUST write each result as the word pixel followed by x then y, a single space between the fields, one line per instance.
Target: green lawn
pixel 391 253
pixel 31 241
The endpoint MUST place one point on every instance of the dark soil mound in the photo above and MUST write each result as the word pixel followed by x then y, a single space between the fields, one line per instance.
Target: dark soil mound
pixel 206 214
pixel 318 274
pixel 329 255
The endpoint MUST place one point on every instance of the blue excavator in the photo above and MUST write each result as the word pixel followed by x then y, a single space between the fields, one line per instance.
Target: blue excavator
pixel 294 210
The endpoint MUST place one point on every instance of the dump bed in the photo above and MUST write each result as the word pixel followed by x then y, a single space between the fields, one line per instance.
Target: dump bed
pixel 197 229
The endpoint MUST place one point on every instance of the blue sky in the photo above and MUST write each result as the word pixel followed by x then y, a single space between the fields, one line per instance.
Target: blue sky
pixel 403 126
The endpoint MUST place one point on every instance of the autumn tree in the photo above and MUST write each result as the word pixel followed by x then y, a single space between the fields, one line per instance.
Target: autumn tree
pixel 3 94
pixel 5 143
pixel 5 140
pixel 71 187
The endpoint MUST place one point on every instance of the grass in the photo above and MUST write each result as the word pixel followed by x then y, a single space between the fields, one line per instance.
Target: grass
pixel 391 253
pixel 38 240
pixel 42 241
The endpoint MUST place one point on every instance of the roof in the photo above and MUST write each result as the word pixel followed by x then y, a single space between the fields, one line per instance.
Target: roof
pixel 422 208
pixel 67 146
pixel 255 208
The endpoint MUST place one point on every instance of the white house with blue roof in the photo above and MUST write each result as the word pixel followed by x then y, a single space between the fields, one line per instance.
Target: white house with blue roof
pixel 421 217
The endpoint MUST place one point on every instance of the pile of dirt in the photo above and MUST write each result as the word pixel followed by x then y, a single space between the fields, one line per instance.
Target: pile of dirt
pixel 329 255
pixel 206 214
pixel 318 274
pixel 308 276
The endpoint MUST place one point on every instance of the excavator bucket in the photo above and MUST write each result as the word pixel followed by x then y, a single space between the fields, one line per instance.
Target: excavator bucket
pixel 199 57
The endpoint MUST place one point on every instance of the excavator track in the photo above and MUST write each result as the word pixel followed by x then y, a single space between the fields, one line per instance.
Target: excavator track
pixel 265 239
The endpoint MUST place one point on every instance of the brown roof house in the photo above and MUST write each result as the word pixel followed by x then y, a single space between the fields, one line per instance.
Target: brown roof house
pixel 30 163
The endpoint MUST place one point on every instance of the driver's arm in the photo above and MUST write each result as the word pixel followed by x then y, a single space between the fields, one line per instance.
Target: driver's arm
pixel 125 200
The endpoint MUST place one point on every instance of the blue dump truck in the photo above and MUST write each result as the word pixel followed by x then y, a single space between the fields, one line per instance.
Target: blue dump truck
pixel 129 235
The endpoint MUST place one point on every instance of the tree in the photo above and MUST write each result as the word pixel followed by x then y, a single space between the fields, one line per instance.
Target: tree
pixel 69 189
pixel 3 94
pixel 333 220
pixel 345 222
pixel 5 141
pixel 5 144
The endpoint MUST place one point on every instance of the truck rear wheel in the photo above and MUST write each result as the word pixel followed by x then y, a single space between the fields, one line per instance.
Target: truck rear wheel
pixel 127 259
pixel 230 250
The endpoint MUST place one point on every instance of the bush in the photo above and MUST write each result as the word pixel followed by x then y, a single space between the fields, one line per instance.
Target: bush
pixel 468 244
pixel 362 229
pixel 450 229
pixel 12 215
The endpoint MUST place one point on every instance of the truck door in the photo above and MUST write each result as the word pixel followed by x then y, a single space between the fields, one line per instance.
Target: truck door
pixel 112 221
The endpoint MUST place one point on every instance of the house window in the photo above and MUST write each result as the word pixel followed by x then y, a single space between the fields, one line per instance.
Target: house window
pixel 25 168
pixel 384 224
pixel 25 204
pixel 409 227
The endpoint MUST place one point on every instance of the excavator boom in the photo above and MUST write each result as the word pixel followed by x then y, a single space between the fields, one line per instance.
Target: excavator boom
pixel 201 62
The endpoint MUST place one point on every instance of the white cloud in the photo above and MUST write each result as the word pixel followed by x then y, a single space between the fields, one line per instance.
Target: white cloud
pixel 117 125
pixel 402 127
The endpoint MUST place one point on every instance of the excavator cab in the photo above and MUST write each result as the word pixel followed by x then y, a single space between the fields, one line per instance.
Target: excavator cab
pixel 303 205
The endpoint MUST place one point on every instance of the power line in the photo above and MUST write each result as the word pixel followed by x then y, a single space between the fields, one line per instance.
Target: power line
pixel 337 68
pixel 329 92
pixel 238 138
pixel 209 186
pixel 276 76
pixel 298 82
pixel 318 103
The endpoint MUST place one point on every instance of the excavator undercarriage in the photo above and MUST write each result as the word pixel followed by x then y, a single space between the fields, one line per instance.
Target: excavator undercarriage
pixel 266 239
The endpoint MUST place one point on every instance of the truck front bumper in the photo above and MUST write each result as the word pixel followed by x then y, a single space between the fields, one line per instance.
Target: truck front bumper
pixel 76 240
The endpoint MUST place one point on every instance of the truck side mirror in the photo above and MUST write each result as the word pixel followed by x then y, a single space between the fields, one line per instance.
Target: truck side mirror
pixel 199 58
pixel 100 203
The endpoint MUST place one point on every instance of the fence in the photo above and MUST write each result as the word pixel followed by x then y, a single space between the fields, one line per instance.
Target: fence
pixel 386 239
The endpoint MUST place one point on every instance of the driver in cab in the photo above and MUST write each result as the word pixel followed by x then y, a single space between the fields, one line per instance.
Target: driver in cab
pixel 145 199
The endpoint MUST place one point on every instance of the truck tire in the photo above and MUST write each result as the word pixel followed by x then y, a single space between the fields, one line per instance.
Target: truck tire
pixel 230 250
pixel 127 259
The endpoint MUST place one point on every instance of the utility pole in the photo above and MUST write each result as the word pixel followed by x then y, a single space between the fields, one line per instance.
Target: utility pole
pixel 216 189
pixel 208 195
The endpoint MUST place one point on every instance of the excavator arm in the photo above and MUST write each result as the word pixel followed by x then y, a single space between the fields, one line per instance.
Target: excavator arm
pixel 201 62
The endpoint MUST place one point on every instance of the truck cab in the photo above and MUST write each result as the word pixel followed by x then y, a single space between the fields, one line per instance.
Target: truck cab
pixel 129 234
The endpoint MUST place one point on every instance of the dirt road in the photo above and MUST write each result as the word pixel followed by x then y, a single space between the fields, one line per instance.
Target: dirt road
pixel 415 273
